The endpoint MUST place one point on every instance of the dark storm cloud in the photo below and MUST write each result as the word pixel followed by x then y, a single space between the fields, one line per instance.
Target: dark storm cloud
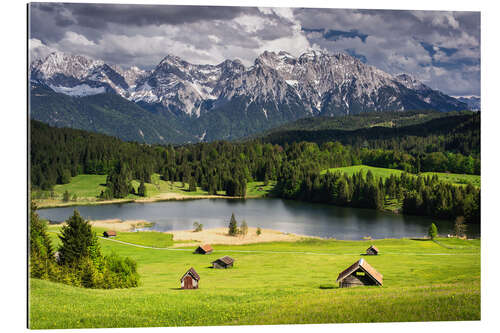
pixel 338 34
pixel 100 15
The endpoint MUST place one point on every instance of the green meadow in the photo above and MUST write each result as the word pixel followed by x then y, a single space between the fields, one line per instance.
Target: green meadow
pixel 377 172
pixel 454 178
pixel 88 187
pixel 271 283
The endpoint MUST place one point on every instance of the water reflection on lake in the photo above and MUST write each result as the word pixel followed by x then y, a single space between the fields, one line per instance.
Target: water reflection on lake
pixel 285 215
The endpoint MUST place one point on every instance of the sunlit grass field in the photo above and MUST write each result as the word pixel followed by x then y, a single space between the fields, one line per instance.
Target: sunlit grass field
pixel 454 178
pixel 88 187
pixel 377 172
pixel 273 283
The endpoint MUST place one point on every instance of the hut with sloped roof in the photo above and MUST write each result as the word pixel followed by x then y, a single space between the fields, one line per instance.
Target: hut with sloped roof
pixel 372 251
pixel 109 233
pixel 203 249
pixel 224 262
pixel 360 274
pixel 190 279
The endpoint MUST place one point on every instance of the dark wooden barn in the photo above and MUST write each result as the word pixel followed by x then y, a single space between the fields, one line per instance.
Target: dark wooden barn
pixel 203 249
pixel 190 279
pixel 359 274
pixel 372 251
pixel 224 262
pixel 109 233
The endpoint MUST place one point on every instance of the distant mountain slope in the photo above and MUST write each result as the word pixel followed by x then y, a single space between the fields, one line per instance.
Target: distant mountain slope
pixel 458 132
pixel 227 100
pixel 104 113
pixel 473 103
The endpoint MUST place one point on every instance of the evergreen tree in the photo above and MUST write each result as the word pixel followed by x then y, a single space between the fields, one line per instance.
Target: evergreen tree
pixel 141 191
pixel 432 231
pixel 76 238
pixel 192 185
pixel 233 226
pixel 66 196
pixel 258 231
pixel 244 228
pixel 40 246
pixel 460 227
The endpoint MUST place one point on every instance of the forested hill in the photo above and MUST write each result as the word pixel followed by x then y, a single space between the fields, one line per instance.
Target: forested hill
pixel 106 113
pixel 415 133
pixel 57 154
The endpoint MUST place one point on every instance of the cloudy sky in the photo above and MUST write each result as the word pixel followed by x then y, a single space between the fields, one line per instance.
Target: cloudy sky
pixel 442 49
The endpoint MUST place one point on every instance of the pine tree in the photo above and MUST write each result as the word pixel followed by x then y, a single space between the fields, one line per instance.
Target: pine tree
pixel 76 238
pixel 192 185
pixel 141 191
pixel 66 196
pixel 259 231
pixel 460 227
pixel 432 231
pixel 233 226
pixel 40 246
pixel 244 228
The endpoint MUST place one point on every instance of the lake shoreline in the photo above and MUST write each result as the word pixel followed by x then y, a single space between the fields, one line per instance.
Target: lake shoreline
pixel 170 197
pixel 220 236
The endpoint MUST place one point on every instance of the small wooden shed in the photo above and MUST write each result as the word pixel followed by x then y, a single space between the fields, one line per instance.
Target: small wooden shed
pixel 224 262
pixel 203 249
pixel 372 251
pixel 359 274
pixel 190 279
pixel 109 233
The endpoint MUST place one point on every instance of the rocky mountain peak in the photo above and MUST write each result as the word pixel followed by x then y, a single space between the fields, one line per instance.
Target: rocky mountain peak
pixel 316 82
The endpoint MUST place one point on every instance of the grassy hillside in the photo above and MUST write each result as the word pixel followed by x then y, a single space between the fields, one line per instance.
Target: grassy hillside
pixel 457 132
pixel 88 187
pixel 274 283
pixel 377 172
pixel 364 120
pixel 454 178
pixel 105 113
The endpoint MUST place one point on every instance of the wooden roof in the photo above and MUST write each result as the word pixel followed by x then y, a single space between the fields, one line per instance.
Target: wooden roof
pixel 206 247
pixel 376 276
pixel 193 273
pixel 374 248
pixel 226 260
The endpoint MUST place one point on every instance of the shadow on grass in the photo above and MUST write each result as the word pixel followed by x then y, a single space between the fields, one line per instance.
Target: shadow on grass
pixel 183 289
pixel 328 286
pixel 421 239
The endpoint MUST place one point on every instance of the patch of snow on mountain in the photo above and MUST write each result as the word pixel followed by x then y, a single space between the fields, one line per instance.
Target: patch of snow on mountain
pixel 79 91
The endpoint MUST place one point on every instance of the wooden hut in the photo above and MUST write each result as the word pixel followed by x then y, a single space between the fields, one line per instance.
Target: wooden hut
pixel 224 262
pixel 204 249
pixel 359 274
pixel 372 251
pixel 190 279
pixel 109 233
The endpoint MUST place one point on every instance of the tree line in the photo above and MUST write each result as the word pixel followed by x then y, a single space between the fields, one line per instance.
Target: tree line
pixel 78 261
pixel 60 153
pixel 420 195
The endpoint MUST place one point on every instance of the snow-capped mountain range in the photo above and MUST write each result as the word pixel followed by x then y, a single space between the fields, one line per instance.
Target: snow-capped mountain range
pixel 277 88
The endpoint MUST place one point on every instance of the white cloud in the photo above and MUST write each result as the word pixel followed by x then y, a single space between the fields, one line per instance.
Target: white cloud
pixel 38 50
